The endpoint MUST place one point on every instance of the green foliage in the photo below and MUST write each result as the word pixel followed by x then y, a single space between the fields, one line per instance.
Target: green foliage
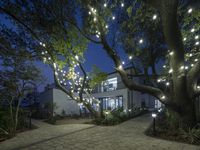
pixel 192 135
pixel 96 76
pixel 112 118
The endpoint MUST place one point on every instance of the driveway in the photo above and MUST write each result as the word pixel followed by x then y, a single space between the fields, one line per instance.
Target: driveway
pixel 126 136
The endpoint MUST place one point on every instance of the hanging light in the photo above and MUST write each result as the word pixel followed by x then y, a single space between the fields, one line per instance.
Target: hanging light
pixel 154 17
pixel 189 10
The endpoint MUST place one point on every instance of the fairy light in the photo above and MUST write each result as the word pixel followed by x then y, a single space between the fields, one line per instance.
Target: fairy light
pixel 192 30
pixel 196 37
pixel 184 39
pixel 104 5
pixel 141 41
pixel 196 60
pixel 198 87
pixel 120 67
pixel 163 97
pixel 190 10
pixel 113 18
pixel 159 80
pixel 95 19
pixel 192 65
pixel 130 57
pixel 182 67
pixel 170 70
pixel 89 13
pixel 197 43
pixel 76 57
pixel 154 17
pixel 171 53
pixel 123 62
pixel 122 4
pixel 167 84
pixel 186 67
pixel 164 66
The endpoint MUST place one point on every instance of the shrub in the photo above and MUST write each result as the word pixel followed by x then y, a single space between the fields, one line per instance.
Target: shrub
pixel 191 135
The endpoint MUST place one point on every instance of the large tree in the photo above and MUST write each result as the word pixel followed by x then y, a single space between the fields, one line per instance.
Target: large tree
pixel 103 22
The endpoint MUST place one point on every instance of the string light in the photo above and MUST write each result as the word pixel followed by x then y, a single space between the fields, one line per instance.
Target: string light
pixel 189 10
pixel 120 67
pixel 130 57
pixel 192 30
pixel 123 62
pixel 122 4
pixel 154 17
pixel 113 18
pixel 141 41
pixel 171 53
pixel 197 43
pixel 167 84
pixel 105 5
pixel 163 97
pixel 171 70
pixel 184 39
pixel 196 37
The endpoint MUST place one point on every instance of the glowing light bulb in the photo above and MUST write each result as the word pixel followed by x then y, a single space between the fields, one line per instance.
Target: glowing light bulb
pixel 197 43
pixel 170 70
pixel 104 5
pixel 141 41
pixel 184 39
pixel 154 17
pixel 120 67
pixel 182 67
pixel 189 10
pixel 167 84
pixel 106 26
pixel 130 57
pixel 192 30
pixel 89 13
pixel 171 53
pixel 163 97
pixel 122 4
pixel 159 80
pixel 76 57
pixel 196 37
pixel 123 62
pixel 95 19
pixel 198 87
pixel 186 67
pixel 113 18
pixel 196 60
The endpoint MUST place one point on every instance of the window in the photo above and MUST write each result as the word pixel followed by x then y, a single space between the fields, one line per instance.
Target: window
pixel 109 85
pixel 111 103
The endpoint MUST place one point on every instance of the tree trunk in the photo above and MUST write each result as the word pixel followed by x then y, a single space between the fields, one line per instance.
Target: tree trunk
pixel 179 94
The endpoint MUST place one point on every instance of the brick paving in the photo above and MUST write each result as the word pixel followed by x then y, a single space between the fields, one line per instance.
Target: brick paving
pixel 126 136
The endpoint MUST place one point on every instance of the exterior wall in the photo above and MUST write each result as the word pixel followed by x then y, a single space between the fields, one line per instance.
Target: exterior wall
pixel 46 97
pixel 63 103
pixel 130 98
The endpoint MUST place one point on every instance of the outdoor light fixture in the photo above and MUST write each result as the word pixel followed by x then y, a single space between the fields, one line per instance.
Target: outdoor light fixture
pixel 154 115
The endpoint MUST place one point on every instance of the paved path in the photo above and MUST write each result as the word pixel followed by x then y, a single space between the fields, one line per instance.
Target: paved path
pixel 126 136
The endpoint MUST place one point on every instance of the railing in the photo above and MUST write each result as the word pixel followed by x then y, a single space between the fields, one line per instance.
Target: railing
pixel 120 86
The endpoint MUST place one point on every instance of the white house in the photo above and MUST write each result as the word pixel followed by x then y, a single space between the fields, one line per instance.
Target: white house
pixel 112 94
pixel 56 101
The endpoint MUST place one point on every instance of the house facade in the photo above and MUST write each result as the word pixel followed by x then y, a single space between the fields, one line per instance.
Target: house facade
pixel 113 94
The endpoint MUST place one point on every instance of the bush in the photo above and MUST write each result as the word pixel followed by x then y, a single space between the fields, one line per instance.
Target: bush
pixel 112 118
pixel 191 135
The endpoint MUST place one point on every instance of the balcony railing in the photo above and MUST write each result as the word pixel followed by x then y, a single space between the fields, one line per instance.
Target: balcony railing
pixel 99 89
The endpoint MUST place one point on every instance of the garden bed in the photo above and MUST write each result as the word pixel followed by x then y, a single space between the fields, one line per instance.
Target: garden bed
pixel 163 131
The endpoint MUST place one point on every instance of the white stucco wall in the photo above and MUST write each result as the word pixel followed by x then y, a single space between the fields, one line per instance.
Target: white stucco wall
pixel 64 103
